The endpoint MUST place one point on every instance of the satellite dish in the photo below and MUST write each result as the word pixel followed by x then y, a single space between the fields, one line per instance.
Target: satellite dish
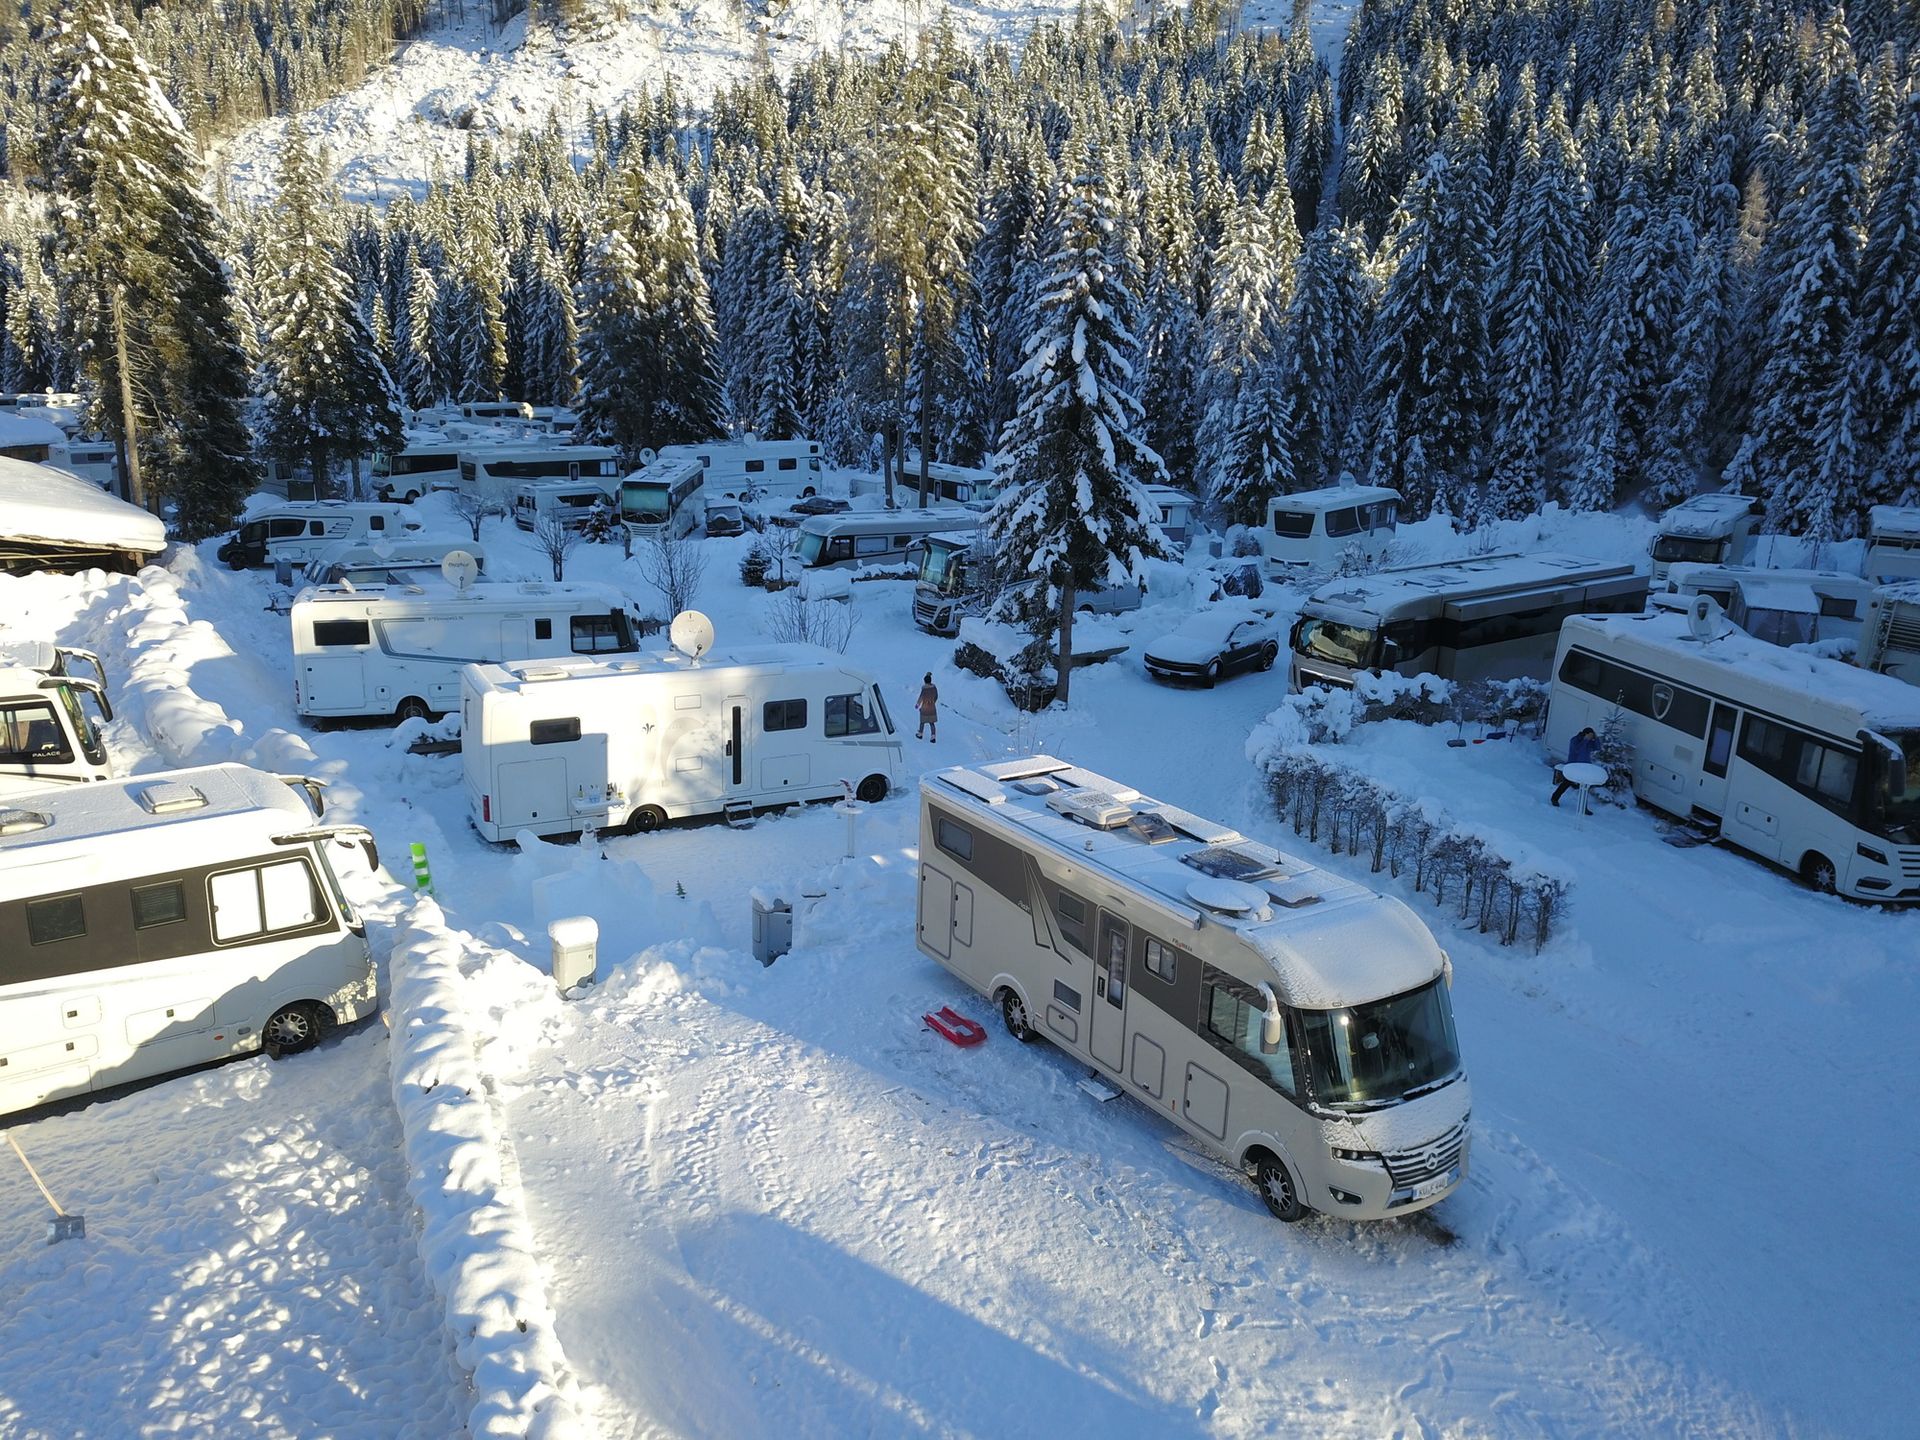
pixel 1703 617
pixel 459 569
pixel 691 634
pixel 648 455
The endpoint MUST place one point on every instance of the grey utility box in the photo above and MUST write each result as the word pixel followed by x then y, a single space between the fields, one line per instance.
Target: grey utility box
pixel 576 945
pixel 772 927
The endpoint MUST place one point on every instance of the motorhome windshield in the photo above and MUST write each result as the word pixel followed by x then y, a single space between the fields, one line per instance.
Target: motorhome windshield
pixel 644 502
pixel 1293 524
pixel 83 725
pixel 1377 1054
pixel 939 565
pixel 1331 640
pixel 1895 798
pixel 1688 549
pixel 810 548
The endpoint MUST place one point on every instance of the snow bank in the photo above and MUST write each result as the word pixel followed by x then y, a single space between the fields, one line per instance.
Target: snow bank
pixel 475 1240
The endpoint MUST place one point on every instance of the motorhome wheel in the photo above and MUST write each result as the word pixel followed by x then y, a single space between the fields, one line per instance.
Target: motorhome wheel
pixel 413 708
pixel 873 789
pixel 1275 1183
pixel 1014 1011
pixel 645 820
pixel 1818 873
pixel 293 1028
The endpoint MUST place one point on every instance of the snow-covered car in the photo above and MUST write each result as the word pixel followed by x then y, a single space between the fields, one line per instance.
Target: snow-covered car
pixel 1214 644
pixel 725 517
pixel 820 505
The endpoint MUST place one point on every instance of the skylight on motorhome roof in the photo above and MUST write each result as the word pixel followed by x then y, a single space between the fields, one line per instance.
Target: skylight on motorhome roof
pixel 1224 862
pixel 20 822
pixel 170 797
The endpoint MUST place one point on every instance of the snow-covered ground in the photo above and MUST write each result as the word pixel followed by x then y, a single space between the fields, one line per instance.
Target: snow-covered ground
pixel 411 121
pixel 769 1201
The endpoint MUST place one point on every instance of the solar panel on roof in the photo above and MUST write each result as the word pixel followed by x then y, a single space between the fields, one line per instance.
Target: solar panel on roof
pixel 1223 862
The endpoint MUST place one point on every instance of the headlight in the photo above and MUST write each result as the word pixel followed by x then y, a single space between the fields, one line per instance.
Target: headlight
pixel 1357 1157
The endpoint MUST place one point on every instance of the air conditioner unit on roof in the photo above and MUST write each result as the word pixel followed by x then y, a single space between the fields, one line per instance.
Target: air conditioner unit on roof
pixel 1091 807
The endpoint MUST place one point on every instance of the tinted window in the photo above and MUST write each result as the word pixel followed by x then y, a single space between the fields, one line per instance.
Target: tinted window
pixel 1822 772
pixel 595 634
pixel 848 715
pixel 870 545
pixel 341 632
pixel 1067 995
pixel 61 918
pixel 1840 607
pixel 1159 960
pixel 543 629
pixel 1292 524
pixel 554 732
pixel 161 904
pixel 954 839
pixel 1071 911
pixel 30 734
pixel 377 522
pixel 789 464
pixel 263 901
pixel 783 715
pixel 1637 691
pixel 1343 522
pixel 283 529
pixel 1235 1025
pixel 754 467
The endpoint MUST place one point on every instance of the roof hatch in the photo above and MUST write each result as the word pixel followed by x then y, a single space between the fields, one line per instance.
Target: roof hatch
pixel 170 797
pixel 21 822
pixel 1091 807
pixel 1225 862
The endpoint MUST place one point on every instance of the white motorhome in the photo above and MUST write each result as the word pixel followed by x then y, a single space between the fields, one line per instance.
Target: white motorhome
pixel 491 472
pixel 747 469
pixel 665 498
pixel 1893 543
pixel 169 919
pixel 1311 531
pixel 359 563
pixel 46 735
pixel 1294 1023
pixel 1175 510
pixel 953 484
pixel 556 747
pixel 296 531
pixel 1718 528
pixel 1782 607
pixel 959 578
pixel 1808 762
pixel 396 651
pixel 1493 617
pixel 854 539
pixel 426 462
pixel 568 501
pixel 1890 636
pixel 59 660
pixel 95 460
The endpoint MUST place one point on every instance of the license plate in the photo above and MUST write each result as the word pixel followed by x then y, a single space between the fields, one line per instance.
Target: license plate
pixel 1436 1184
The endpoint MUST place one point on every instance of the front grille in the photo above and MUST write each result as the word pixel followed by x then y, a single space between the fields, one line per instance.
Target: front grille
pixel 1909 863
pixel 1410 1167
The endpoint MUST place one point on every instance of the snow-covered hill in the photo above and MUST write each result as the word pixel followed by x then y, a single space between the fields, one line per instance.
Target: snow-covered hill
pixel 466 78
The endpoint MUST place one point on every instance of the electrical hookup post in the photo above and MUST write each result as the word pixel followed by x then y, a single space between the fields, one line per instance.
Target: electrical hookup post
pixel 61 1226
pixel 848 806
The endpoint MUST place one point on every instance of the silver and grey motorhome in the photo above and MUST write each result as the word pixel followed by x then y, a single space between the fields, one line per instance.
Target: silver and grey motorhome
pixel 297 531
pixel 385 562
pixel 1311 531
pixel 1893 543
pixel 1718 528
pixel 1492 617
pixel 425 463
pixel 959 577
pixel 396 651
pixel 1782 607
pixel 491 472
pixel 854 539
pixel 47 736
pixel 1297 1024
pixel 570 502
pixel 168 919
pixel 665 498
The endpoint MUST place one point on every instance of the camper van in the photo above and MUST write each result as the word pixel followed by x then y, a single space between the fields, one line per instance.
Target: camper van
pixel 396 651
pixel 423 464
pixel 958 578
pixel 1713 529
pixel 296 532
pixel 1804 761
pixel 1890 636
pixel 1311 531
pixel 556 747
pixel 1491 618
pixel 1782 607
pixel 747 469
pixel 385 562
pixel 1893 543
pixel 952 484
pixel 491 472
pixel 1174 512
pixel 169 919
pixel 1296 1024
pixel 665 499
pixel 568 501
pixel 47 736
pixel 95 460
pixel 855 539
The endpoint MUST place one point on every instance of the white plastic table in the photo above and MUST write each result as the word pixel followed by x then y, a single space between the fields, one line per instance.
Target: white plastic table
pixel 1583 776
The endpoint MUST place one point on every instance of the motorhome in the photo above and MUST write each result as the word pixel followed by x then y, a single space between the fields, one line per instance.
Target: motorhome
pixel 169 919
pixel 1174 512
pixel 57 660
pixel 425 463
pixel 1782 607
pixel 570 502
pixel 953 484
pixel 555 747
pixel 47 735
pixel 1893 543
pixel 296 532
pixel 491 472
pixel 1713 529
pixel 361 563
pixel 94 460
pixel 498 412
pixel 1808 762
pixel 1310 532
pixel 1294 1023
pixel 665 498
pixel 1490 618
pixel 959 578
pixel 1890 636
pixel 747 469
pixel 396 651
pixel 855 539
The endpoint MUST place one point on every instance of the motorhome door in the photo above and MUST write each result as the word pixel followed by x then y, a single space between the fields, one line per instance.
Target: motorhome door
pixel 1710 791
pixel 739 726
pixel 1109 1020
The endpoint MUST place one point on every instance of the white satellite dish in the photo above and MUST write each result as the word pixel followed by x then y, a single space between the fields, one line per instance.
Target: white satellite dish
pixel 1703 617
pixel 648 455
pixel 459 569
pixel 691 634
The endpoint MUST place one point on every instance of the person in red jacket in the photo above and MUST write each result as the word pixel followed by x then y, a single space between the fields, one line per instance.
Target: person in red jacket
pixel 929 706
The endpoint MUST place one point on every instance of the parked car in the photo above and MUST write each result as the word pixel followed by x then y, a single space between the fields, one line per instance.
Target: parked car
pixel 1214 644
pixel 820 505
pixel 725 517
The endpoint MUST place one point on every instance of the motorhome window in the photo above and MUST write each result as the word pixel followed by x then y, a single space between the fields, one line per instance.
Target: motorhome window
pixel 1292 524
pixel 162 904
pixel 1071 911
pixel 543 629
pixel 82 724
pixel 316 528
pixel 30 734
pixel 596 635
pixel 263 900
pixel 755 467
pixel 840 548
pixel 1345 521
pixel 284 529
pixel 783 715
pixel 1824 773
pixel 1331 640
pixel 1634 690
pixel 1235 1024
pixel 1779 627
pixel 376 522
pixel 956 840
pixel 789 464
pixel 341 632
pixel 1839 607
pixel 554 732
pixel 814 464
pixel 62 917
pixel 809 548
pixel 1160 961
pixel 1683 549
pixel 848 715
pixel 1375 1054
pixel 1067 996
pixel 1893 803
pixel 864 545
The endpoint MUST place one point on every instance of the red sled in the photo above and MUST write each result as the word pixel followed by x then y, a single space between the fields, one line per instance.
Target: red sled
pixel 948 1022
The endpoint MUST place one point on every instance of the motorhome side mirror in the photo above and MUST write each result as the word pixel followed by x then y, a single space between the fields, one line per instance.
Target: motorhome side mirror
pixel 1272 1032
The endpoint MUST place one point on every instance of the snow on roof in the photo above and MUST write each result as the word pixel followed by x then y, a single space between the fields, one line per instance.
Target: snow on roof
pixel 1689 572
pixel 1456 579
pixel 41 504
pixel 1332 496
pixel 525 674
pixel 514 594
pixel 17 430
pixel 1890 520
pixel 1907 592
pixel 1757 671
pixel 1328 941
pixel 1701 516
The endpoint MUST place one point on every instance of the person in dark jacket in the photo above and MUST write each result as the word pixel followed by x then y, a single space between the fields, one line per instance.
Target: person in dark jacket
pixel 1580 751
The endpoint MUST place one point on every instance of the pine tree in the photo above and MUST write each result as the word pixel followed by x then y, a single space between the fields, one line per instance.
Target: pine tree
pixel 1074 514
pixel 414 339
pixel 1886 373
pixel 1240 334
pixel 1325 327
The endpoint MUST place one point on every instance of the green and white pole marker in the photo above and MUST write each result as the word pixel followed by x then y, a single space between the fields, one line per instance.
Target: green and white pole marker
pixel 422 876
